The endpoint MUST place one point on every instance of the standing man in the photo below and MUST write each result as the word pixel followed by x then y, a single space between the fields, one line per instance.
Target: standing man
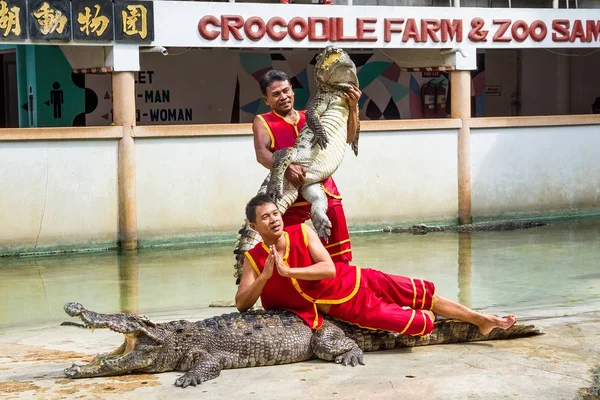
pixel 278 129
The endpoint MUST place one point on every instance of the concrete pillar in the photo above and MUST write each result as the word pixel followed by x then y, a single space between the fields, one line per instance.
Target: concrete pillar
pixel 460 82
pixel 464 268
pixel 123 86
pixel 128 282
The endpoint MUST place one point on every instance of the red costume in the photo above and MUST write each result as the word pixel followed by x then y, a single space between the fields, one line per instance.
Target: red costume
pixel 364 297
pixel 283 134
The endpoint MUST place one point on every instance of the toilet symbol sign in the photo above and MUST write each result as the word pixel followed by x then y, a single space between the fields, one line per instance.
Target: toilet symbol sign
pixel 56 100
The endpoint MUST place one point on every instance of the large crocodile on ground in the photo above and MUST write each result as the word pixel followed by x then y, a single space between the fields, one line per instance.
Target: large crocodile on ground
pixel 423 229
pixel 203 348
pixel 319 148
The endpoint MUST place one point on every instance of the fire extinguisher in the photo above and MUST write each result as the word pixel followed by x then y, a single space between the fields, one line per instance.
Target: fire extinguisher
pixel 440 100
pixel 428 93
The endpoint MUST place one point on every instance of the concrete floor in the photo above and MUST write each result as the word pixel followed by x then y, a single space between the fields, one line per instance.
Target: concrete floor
pixel 555 365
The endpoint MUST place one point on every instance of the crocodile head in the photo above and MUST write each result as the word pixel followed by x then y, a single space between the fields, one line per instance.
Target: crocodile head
pixel 335 68
pixel 145 346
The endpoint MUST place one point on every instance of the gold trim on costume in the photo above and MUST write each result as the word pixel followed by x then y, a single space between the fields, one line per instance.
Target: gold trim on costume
pixel 252 262
pixel 414 293
pixel 379 329
pixel 300 203
pixel 335 244
pixel 341 252
pixel 294 124
pixel 304 234
pixel 287 246
pixel 272 146
pixel 412 316
pixel 316 321
pixel 326 301
pixel 264 246
pixel 424 324
pixel 327 192
pixel 424 293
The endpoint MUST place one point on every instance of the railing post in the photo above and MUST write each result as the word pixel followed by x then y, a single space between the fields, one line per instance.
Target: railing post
pixel 123 86
pixel 460 82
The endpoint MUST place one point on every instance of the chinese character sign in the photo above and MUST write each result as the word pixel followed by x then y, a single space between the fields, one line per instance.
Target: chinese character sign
pixel 50 19
pixel 12 20
pixel 134 21
pixel 93 20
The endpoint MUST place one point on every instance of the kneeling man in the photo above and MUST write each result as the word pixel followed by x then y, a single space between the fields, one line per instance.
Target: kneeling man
pixel 291 270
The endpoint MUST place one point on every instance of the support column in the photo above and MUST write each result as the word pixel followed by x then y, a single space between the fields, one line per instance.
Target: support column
pixel 123 86
pixel 129 282
pixel 460 82
pixel 464 268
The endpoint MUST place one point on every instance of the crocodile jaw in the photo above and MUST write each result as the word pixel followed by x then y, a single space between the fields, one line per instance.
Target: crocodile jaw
pixel 131 356
pixel 139 350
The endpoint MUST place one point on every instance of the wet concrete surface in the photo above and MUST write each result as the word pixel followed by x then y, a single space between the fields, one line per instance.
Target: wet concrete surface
pixel 547 276
pixel 555 365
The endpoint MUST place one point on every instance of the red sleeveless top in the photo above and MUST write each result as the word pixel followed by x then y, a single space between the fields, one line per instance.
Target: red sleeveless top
pixel 283 134
pixel 302 296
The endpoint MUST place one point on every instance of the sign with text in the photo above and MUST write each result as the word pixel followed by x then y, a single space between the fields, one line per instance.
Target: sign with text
pixel 50 19
pixel 134 21
pixel 77 21
pixel 293 26
pixel 93 20
pixel 13 20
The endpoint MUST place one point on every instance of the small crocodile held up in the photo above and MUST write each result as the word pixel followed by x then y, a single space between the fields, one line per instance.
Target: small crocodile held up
pixel 203 348
pixel 319 148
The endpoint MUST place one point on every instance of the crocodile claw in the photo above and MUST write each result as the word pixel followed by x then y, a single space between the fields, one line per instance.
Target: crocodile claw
pixel 188 380
pixel 352 357
pixel 274 194
pixel 323 227
pixel 320 138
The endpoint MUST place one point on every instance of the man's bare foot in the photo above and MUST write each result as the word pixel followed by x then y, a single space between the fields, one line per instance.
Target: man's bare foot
pixel 491 321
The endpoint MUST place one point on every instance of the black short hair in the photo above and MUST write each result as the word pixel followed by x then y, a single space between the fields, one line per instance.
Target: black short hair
pixel 270 77
pixel 254 202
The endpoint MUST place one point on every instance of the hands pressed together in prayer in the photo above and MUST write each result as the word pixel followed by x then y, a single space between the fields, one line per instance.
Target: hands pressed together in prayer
pixel 274 260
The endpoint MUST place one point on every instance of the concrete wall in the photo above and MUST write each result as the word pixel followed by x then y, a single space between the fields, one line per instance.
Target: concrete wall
pixel 519 171
pixel 57 194
pixel 200 186
pixel 63 194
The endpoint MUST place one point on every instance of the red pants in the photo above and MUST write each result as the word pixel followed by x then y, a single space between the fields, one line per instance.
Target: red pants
pixel 390 303
pixel 338 245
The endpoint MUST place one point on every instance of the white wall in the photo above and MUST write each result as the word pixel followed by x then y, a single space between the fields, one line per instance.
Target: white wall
pixel 200 186
pixel 194 186
pixel 519 171
pixel 57 194
pixel 63 194
pixel 407 176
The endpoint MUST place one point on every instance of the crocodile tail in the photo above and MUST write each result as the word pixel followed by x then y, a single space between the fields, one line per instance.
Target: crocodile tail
pixel 454 331
pixel 446 331
pixel 247 239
